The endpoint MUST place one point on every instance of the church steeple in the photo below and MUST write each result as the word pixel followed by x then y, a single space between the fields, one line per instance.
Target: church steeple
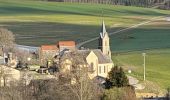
pixel 103 30
pixel 104 44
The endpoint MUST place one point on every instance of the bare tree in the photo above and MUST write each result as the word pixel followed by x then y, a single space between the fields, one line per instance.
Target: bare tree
pixel 22 55
pixel 75 85
pixel 46 56
pixel 10 93
pixel 78 79
pixel 26 57
pixel 83 87
pixel 143 3
pixel 7 38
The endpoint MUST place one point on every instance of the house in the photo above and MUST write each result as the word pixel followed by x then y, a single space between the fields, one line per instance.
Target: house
pixel 47 52
pixel 8 58
pixel 98 61
pixel 70 45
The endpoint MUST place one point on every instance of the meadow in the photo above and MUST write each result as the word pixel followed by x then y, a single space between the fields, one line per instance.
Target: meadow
pixel 36 22
pixel 157 65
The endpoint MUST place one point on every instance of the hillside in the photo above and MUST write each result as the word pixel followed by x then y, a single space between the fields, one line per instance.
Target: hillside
pixel 157 65
pixel 36 22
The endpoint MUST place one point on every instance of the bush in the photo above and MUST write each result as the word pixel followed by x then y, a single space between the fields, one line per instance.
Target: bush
pixel 123 93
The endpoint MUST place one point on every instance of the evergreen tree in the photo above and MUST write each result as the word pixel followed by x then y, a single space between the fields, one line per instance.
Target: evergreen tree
pixel 116 78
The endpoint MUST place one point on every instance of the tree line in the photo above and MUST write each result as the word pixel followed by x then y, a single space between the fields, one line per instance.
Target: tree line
pixel 143 3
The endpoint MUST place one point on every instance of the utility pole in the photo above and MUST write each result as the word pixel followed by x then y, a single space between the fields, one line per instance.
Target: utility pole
pixel 144 66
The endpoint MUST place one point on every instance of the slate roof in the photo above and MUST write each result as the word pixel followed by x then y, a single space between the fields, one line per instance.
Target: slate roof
pixel 78 56
pixel 102 58
pixel 84 53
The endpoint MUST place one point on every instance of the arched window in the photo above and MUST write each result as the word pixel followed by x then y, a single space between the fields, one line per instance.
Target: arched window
pixel 91 66
pixel 104 69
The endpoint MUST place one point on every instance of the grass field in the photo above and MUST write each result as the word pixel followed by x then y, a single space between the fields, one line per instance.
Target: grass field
pixel 37 22
pixel 151 36
pixel 157 65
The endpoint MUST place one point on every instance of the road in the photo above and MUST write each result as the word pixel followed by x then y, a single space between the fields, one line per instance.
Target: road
pixel 122 30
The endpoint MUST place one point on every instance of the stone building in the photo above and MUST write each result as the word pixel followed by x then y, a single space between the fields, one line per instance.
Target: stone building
pixel 98 61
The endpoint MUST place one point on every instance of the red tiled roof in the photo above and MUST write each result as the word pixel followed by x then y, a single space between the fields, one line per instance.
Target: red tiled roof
pixel 67 43
pixel 49 47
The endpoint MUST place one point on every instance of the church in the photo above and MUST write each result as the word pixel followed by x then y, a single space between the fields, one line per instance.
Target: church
pixel 98 61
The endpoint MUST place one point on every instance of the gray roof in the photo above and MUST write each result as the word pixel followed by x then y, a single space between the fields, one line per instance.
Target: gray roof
pixel 84 53
pixel 27 48
pixel 102 58
pixel 79 56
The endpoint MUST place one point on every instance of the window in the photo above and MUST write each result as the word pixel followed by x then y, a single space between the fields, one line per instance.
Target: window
pixel 99 69
pixel 104 69
pixel 91 67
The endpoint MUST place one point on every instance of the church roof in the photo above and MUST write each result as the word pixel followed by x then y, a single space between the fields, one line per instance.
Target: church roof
pixel 103 30
pixel 101 57
pixel 84 53
pixel 79 56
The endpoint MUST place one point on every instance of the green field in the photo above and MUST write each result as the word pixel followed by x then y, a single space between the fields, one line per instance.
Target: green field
pixel 151 36
pixel 157 65
pixel 36 22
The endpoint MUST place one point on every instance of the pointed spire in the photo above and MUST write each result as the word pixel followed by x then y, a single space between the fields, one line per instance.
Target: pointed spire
pixel 103 30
